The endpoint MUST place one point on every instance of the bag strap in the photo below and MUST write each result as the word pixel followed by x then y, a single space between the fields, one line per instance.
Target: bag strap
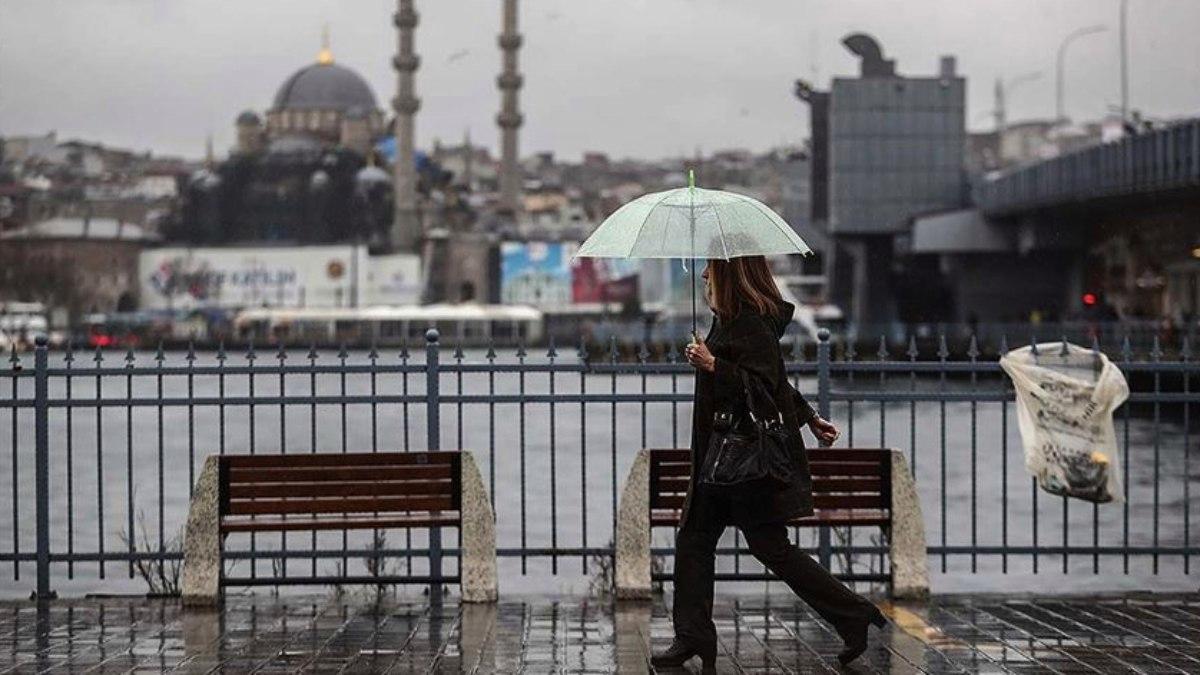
pixel 755 390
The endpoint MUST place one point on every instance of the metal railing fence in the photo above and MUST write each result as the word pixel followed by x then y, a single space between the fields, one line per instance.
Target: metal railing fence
pixel 101 450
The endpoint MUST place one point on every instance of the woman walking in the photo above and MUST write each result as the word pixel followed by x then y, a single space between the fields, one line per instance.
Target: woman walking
pixel 750 318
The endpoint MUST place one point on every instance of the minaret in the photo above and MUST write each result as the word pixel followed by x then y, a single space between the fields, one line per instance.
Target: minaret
pixel 509 118
pixel 468 160
pixel 406 225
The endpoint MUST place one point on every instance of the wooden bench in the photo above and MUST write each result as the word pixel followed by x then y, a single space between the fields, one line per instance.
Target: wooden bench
pixel 851 488
pixel 353 491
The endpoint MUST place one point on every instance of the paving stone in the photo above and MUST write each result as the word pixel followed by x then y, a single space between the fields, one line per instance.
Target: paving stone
pixel 769 634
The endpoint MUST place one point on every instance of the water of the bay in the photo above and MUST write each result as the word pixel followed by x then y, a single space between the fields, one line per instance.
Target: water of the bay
pixel 556 472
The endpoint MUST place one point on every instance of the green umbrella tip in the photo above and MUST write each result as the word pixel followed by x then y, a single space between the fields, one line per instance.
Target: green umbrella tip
pixel 692 178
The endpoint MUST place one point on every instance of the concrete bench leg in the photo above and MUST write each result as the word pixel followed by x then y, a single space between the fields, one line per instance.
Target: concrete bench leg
pixel 633 533
pixel 478 563
pixel 910 571
pixel 202 540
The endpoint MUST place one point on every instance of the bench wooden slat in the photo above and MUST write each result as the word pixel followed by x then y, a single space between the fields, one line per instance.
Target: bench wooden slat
pixel 445 518
pixel 339 505
pixel 871 484
pixel 668 502
pixel 340 459
pixel 845 468
pixel 820 501
pixel 674 483
pixel 663 455
pixel 373 488
pixel 836 517
pixel 306 475
pixel 877 455
pixel 828 501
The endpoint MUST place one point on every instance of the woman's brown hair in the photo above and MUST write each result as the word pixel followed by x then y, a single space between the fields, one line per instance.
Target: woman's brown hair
pixel 742 283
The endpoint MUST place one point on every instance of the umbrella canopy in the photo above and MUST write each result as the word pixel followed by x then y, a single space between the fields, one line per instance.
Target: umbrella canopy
pixel 693 222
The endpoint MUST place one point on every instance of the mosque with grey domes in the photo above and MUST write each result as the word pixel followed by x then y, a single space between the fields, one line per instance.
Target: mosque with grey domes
pixel 308 171
pixel 326 165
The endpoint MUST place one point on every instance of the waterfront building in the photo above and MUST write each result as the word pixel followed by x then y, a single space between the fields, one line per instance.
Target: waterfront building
pixel 895 146
pixel 73 264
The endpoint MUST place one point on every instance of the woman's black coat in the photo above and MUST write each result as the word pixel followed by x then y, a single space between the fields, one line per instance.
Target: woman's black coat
pixel 750 342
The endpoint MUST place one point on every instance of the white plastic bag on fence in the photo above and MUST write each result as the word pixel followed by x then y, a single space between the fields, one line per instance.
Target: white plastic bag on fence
pixel 1066 395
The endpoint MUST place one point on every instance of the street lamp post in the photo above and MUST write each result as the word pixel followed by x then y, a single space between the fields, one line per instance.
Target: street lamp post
pixel 1062 52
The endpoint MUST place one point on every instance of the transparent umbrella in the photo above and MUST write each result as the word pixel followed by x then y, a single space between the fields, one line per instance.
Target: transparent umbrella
pixel 692 223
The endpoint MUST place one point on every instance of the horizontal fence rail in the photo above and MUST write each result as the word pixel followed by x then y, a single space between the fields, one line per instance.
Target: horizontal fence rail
pixel 99 451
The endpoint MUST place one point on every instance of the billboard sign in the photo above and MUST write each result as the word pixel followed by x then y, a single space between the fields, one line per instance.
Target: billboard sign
pixel 536 273
pixel 293 276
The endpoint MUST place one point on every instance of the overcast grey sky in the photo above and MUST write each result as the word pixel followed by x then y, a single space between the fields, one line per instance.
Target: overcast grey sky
pixel 641 78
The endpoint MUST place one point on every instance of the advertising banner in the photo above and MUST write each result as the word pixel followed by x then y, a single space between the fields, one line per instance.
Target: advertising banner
pixel 536 273
pixel 294 276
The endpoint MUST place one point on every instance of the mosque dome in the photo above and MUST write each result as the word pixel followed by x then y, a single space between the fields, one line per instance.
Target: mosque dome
pixel 249 118
pixel 325 85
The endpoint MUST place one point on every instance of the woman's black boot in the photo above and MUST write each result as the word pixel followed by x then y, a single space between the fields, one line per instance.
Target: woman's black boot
pixel 856 643
pixel 678 654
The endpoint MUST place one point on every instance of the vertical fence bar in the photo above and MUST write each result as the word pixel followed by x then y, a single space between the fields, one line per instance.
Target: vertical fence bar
pixel 281 357
pixel 551 354
pixel 521 449
pixel 1033 485
pixel 1004 464
pixel 912 354
pixel 99 361
pixel 845 535
pixel 882 355
pixel 342 412
pixel 158 378
pixel 68 359
pixel 312 434
pixel 191 417
pixel 15 363
pixel 612 359
pixel 943 353
pixel 583 510
pixel 1095 506
pixel 41 411
pixel 1126 358
pixel 491 357
pixel 251 357
pixel 672 358
pixel 131 531
pixel 458 380
pixel 973 355
pixel 1156 357
pixel 433 436
pixel 1185 355
pixel 824 552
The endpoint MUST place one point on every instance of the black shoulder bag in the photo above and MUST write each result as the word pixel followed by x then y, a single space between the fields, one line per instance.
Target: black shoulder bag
pixel 749 454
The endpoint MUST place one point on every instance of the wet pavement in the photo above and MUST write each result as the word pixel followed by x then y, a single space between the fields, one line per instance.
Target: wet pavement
pixel 1143 633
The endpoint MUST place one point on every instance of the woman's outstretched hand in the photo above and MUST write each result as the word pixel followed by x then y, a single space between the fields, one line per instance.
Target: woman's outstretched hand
pixel 698 355
pixel 825 431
